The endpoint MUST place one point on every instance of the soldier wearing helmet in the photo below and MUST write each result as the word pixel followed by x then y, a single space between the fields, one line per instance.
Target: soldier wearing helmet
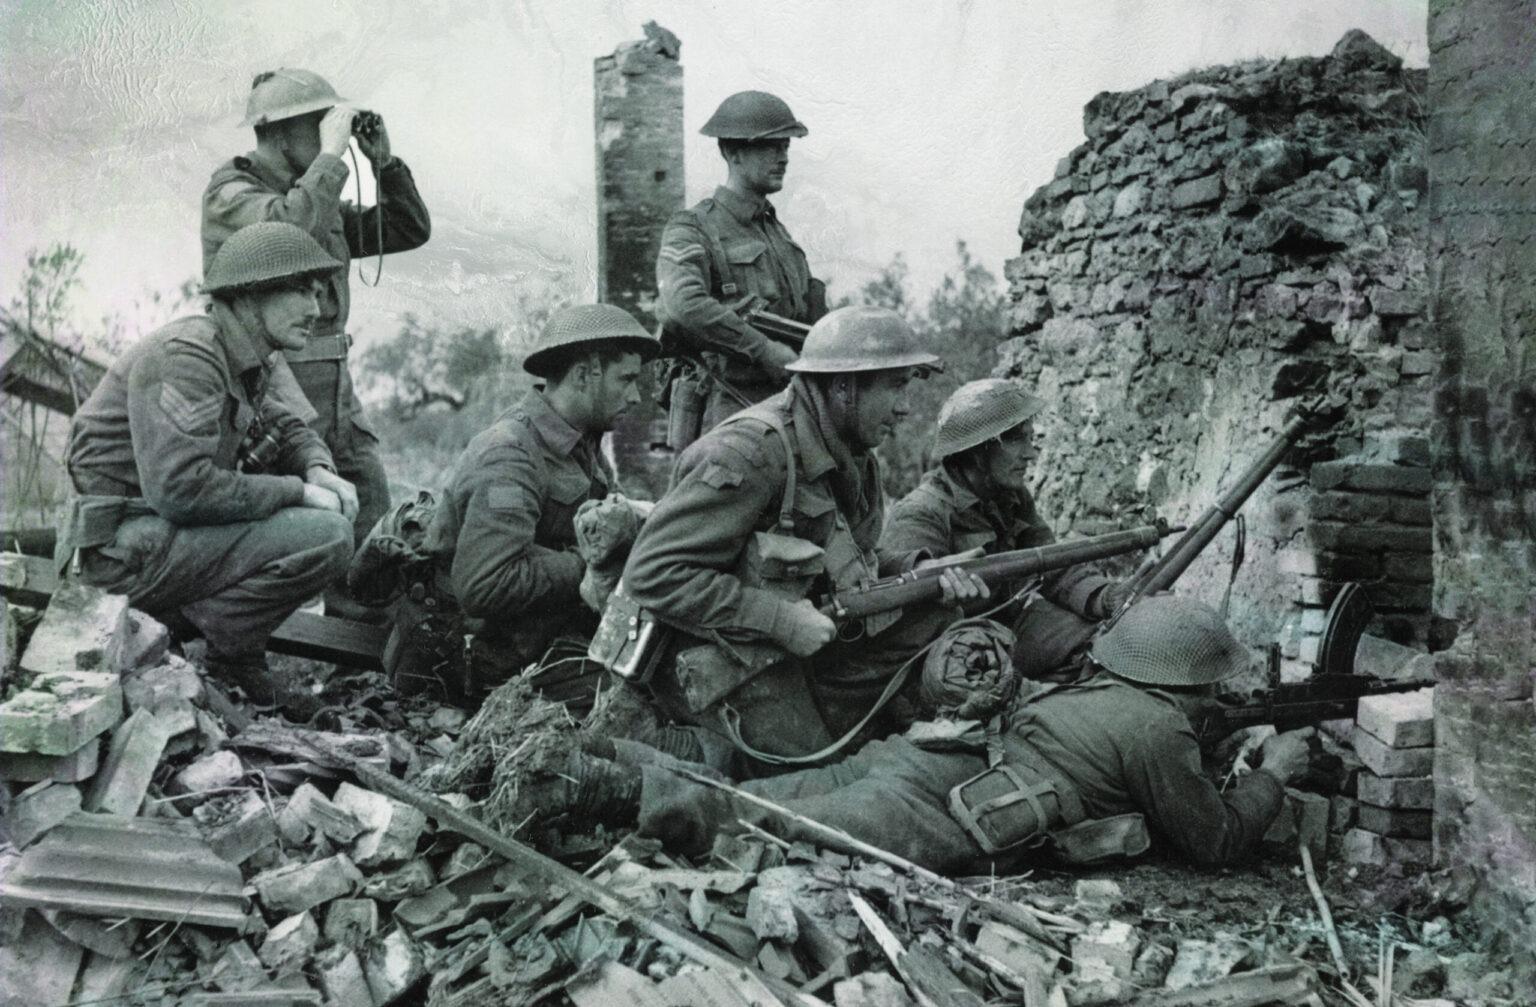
pixel 502 542
pixel 1084 772
pixel 730 254
pixel 776 505
pixel 296 175
pixel 977 497
pixel 199 495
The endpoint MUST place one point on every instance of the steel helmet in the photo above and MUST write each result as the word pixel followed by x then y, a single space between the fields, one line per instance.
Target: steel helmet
pixel 284 93
pixel 861 338
pixel 753 115
pixel 583 324
pixel 1167 640
pixel 260 254
pixel 979 411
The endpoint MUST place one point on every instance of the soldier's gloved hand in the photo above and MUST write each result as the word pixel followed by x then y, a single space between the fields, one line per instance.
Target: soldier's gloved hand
pixel 336 130
pixel 777 356
pixel 958 585
pixel 345 491
pixel 321 498
pixel 800 629
pixel 1288 756
pixel 1110 597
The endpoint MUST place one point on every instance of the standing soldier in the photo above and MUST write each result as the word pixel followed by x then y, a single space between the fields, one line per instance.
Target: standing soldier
pixel 296 175
pixel 977 497
pixel 730 255
pixel 776 505
pixel 198 495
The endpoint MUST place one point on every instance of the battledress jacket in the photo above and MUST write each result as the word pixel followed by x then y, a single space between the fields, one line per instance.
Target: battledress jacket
pixel 167 420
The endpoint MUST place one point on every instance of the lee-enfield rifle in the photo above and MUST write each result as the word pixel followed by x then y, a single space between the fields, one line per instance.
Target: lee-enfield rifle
pixel 778 328
pixel 917 586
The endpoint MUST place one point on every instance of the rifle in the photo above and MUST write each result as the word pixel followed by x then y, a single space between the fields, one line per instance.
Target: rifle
pixel 778 328
pixel 916 586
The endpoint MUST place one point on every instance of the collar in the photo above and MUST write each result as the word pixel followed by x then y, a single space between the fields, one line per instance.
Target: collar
pixel 241 347
pixel 275 173
pixel 964 497
pixel 551 427
pixel 744 208
pixel 815 460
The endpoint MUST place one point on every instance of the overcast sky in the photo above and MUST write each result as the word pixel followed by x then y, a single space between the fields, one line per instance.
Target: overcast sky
pixel 930 120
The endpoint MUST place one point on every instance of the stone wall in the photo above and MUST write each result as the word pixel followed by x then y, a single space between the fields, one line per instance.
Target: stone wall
pixel 638 118
pixel 1482 212
pixel 1223 245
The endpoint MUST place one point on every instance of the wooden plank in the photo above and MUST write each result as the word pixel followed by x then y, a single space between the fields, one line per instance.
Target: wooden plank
pixel 32 541
pixel 27 580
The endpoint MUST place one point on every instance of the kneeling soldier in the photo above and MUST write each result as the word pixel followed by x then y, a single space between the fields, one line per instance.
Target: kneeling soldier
pixel 199 496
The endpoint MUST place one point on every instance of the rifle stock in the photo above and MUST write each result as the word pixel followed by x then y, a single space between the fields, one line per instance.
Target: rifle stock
pixel 918 586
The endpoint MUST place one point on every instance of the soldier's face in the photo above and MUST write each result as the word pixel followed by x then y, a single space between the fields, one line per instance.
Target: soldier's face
pixel 882 403
pixel 615 388
pixel 1010 457
pixel 301 140
pixel 288 315
pixel 761 166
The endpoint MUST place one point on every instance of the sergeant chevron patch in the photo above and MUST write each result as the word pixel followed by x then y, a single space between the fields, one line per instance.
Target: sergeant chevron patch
pixel 190 417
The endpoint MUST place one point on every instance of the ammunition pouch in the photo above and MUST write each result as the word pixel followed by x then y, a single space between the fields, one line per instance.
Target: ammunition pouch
pixel 687 396
pixel 1098 839
pixel 1012 804
pixel 709 672
pixel 92 521
pixel 628 639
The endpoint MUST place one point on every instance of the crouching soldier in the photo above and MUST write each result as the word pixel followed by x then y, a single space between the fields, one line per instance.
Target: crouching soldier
pixel 777 505
pixel 977 497
pixel 501 543
pixel 1088 770
pixel 199 496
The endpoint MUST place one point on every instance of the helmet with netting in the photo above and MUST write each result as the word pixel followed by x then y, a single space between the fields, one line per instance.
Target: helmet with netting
pixel 753 116
pixel 979 411
pixel 285 93
pixel 861 338
pixel 266 254
pixel 589 327
pixel 969 673
pixel 1167 640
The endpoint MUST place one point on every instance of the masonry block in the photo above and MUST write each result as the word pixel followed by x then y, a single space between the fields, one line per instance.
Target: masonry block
pixel 342 979
pixel 1380 658
pixel 1196 192
pixel 1369 538
pixel 1384 760
pixel 390 827
pixel 237 969
pixel 1349 474
pixel 309 811
pixel 1360 846
pixel 132 758
pixel 174 682
pixel 1350 507
pixel 293 888
pixel 29 767
pixel 145 643
pixel 40 965
pixel 392 966
pixel 1410 567
pixel 83 629
pixel 59 712
pixel 1407 792
pixel 245 830
pixel 1341 812
pixel 351 922
pixel 209 774
pixel 1401 719
pixel 1403 823
pixel 37 809
pixel 289 944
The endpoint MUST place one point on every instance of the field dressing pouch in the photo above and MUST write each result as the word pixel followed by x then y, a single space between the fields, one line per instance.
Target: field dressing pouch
pixel 1095 840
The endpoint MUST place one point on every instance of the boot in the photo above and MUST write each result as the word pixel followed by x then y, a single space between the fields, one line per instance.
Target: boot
pixel 266 687
pixel 597 790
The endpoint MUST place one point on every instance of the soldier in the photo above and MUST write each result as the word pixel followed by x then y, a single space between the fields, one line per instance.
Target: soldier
pixel 296 175
pixel 729 254
pixel 977 496
pixel 1094 769
pixel 778 503
pixel 200 496
pixel 502 540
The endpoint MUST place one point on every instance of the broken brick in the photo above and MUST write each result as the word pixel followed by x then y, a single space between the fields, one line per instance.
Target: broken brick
pixel 1384 760
pixel 173 682
pixel 132 758
pixel 1362 847
pixel 309 811
pixel 390 827
pixel 294 888
pixel 29 767
pixel 289 944
pixel 351 922
pixel 144 643
pixel 392 967
pixel 37 809
pixel 83 629
pixel 237 969
pixel 342 979
pixel 245 830
pixel 1401 719
pixel 60 712
pixel 211 773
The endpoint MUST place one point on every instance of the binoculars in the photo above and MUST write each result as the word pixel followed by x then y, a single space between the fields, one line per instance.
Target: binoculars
pixel 367 124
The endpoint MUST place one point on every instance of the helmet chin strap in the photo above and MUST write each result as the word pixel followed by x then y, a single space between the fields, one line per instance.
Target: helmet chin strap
pixel 845 406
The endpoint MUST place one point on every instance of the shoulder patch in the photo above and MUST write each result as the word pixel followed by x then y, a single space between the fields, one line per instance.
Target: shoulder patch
pixel 720 476
pixel 191 416
pixel 503 497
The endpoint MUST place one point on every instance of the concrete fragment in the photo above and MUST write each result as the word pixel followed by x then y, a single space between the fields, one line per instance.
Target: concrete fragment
pixel 1103 958
pixel 246 829
pixel 40 966
pixel 411 878
pixel 173 682
pixel 1410 792
pixel 29 767
pixel 105 979
pixel 1201 961
pixel 1384 760
pixel 83 629
pixel 1362 847
pixel 771 914
pixel 392 967
pixel 870 989
pixel 59 712
pixel 294 888
pixel 1025 954
pixel 342 979
pixel 237 969
pixel 1152 966
pixel 351 922
pixel 132 758
pixel 390 827
pixel 289 944
pixel 1097 895
pixel 109 938
pixel 37 809
pixel 1398 822
pixel 211 773
pixel 309 811
pixel 144 644
pixel 1401 719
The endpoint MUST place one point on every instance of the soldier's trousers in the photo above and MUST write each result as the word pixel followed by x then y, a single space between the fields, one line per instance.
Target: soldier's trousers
pixel 340 422
pixel 890 794
pixel 235 582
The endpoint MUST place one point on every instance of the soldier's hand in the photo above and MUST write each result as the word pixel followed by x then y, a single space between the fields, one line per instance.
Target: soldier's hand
pixel 345 491
pixel 1110 597
pixel 958 585
pixel 336 130
pixel 777 356
pixel 376 147
pixel 1288 756
pixel 321 498
pixel 801 629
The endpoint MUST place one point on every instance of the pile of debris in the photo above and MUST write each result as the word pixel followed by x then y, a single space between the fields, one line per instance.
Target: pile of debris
pixel 166 846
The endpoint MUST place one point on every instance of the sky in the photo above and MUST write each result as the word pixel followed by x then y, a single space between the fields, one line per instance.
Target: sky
pixel 930 121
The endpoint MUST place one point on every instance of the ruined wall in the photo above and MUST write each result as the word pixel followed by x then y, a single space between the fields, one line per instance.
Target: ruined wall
pixel 638 117
pixel 1482 210
pixel 1222 245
